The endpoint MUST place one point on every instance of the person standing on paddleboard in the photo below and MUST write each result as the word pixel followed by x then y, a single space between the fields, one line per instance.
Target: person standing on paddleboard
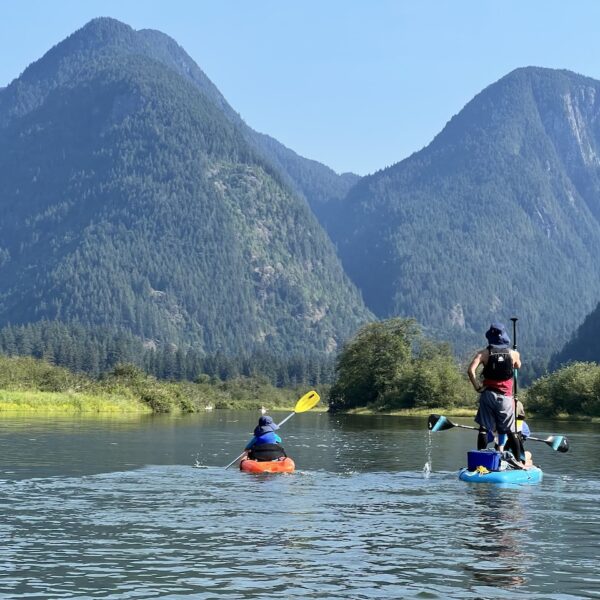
pixel 496 404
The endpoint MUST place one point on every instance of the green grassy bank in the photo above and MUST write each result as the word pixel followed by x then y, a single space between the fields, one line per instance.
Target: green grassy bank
pixel 36 402
pixel 32 386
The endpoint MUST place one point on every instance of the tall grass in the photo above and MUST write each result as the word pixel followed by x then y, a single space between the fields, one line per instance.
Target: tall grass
pixel 35 386
pixel 29 401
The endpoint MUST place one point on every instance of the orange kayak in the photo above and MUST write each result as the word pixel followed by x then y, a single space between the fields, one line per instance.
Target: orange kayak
pixel 283 465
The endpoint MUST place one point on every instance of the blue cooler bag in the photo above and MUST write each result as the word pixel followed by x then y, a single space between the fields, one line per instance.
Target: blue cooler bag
pixel 490 459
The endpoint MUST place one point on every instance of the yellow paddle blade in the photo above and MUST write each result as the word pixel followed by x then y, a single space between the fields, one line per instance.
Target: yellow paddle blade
pixel 308 401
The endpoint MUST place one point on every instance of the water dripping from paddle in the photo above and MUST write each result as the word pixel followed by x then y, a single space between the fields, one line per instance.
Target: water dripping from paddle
pixel 427 465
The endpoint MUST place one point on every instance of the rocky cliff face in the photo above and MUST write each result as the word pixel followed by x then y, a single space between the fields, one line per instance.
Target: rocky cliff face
pixel 499 215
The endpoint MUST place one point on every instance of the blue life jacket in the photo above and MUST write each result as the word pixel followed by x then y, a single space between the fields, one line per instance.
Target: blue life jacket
pixel 266 438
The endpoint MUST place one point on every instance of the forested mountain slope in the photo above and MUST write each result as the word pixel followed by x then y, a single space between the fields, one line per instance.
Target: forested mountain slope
pixel 131 197
pixel 319 184
pixel 316 182
pixel 584 344
pixel 499 215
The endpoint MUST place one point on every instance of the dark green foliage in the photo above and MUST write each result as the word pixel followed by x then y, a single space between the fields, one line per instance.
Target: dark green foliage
pixel 497 217
pixel 134 200
pixel 435 380
pixel 26 373
pixel 323 188
pixel 534 367
pixel 573 390
pixel 97 350
pixel 389 365
pixel 372 364
pixel 77 348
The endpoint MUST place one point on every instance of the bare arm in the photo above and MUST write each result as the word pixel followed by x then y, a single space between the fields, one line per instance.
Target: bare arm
pixel 516 358
pixel 478 359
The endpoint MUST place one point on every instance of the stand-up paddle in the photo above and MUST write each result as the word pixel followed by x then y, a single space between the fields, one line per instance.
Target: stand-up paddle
pixel 519 450
pixel 515 370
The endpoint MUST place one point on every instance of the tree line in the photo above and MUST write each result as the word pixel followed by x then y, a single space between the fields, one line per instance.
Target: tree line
pixel 94 351
pixel 388 365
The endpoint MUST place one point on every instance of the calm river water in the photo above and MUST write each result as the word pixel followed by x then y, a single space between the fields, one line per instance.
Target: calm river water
pixel 143 508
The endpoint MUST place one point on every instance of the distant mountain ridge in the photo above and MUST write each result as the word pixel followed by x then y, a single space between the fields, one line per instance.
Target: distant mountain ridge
pixel 316 182
pixel 498 216
pixel 134 197
pixel 103 34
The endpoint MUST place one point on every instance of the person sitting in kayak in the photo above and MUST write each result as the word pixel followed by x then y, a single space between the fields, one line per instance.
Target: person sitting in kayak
pixel 496 406
pixel 265 444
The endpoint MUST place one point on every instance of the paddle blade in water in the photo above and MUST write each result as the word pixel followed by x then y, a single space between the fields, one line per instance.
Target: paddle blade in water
pixel 560 443
pixel 308 401
pixel 438 423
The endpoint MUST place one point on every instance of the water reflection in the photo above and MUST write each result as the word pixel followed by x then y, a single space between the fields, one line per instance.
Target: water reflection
pixel 499 518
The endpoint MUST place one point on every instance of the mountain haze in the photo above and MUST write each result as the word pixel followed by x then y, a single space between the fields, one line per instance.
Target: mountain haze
pixel 134 197
pixel 498 216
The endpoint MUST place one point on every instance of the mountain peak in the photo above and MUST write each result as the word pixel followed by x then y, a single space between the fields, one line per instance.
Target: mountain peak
pixel 101 36
pixel 517 168
pixel 96 34
pixel 104 27
pixel 543 72
pixel 115 141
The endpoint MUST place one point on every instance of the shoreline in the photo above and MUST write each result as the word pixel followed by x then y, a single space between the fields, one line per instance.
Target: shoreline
pixel 463 412
pixel 32 403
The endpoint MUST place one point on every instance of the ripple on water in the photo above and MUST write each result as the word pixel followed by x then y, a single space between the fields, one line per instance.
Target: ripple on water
pixel 353 525
pixel 214 533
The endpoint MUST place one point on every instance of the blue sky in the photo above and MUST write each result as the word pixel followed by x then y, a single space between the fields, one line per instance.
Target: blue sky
pixel 357 85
